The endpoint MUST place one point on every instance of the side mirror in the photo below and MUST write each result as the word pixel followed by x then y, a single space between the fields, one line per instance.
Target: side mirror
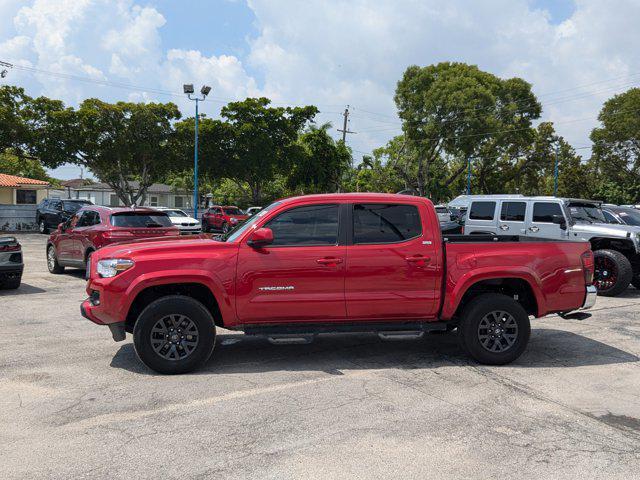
pixel 260 238
pixel 561 221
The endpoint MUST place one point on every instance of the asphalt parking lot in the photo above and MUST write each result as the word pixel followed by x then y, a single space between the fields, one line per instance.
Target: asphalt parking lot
pixel 75 404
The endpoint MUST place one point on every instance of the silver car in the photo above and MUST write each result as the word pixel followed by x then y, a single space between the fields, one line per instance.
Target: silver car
pixel 11 265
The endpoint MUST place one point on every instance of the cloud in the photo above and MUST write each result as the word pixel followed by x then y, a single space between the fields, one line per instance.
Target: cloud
pixel 332 53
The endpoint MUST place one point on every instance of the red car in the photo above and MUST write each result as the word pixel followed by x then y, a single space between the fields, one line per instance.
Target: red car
pixel 93 227
pixel 222 218
pixel 335 263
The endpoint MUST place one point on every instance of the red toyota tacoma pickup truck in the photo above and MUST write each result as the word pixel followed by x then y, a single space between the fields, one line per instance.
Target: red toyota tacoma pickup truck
pixel 334 263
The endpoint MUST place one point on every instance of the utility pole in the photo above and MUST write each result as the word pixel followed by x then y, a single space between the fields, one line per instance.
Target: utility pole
pixel 555 174
pixel 345 125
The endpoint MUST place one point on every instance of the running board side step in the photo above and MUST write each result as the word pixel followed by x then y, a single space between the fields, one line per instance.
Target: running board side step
pixel 401 335
pixel 303 330
pixel 290 339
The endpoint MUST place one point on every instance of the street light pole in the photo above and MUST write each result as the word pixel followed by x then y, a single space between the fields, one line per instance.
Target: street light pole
pixel 188 89
pixel 469 176
pixel 555 175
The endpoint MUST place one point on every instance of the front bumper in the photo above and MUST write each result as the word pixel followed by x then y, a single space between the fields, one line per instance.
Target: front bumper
pixel 590 297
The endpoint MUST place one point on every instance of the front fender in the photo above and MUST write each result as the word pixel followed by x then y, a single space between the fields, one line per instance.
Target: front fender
pixel 455 290
pixel 165 277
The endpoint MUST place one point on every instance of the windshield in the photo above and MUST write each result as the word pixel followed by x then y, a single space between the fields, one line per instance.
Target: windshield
pixel 442 210
pixel 630 216
pixel 232 211
pixel 239 229
pixel 73 207
pixel 176 213
pixel 586 213
pixel 140 220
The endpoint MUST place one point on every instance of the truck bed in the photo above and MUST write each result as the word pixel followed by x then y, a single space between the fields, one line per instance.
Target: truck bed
pixel 498 238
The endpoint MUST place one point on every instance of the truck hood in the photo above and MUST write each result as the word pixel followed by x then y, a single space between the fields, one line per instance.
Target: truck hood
pixel 160 245
pixel 610 230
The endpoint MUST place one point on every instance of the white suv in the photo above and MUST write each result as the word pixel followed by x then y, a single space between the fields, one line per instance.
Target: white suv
pixel 187 225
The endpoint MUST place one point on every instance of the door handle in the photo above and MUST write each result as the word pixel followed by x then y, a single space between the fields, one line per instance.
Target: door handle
pixel 504 227
pixel 419 260
pixel 534 229
pixel 329 261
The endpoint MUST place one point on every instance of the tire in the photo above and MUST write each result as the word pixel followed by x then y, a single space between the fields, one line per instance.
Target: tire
pixel 165 356
pixel 52 261
pixel 42 227
pixel 11 284
pixel 613 272
pixel 477 326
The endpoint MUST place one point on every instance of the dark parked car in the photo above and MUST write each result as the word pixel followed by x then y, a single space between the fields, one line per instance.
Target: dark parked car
pixel 11 265
pixel 51 212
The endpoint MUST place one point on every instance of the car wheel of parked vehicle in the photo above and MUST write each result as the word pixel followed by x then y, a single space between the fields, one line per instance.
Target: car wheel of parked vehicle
pixel 174 334
pixel 494 329
pixel 613 272
pixel 52 261
pixel 42 227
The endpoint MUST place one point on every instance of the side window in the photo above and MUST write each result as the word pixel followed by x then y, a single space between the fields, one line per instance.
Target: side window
pixel 83 219
pixel 385 223
pixel 482 210
pixel 311 225
pixel 544 212
pixel 55 205
pixel 93 218
pixel 610 218
pixel 513 211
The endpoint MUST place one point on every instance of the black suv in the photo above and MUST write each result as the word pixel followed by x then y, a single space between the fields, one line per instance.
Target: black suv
pixel 51 212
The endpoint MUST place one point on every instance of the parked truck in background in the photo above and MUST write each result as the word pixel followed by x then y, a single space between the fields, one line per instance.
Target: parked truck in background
pixel 616 247
pixel 334 263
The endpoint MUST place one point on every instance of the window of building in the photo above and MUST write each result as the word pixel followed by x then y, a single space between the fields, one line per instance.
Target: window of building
pixel 385 223
pixel 179 202
pixel 26 197
pixel 482 210
pixel 113 200
pixel 310 225
pixel 544 212
pixel 153 200
pixel 513 211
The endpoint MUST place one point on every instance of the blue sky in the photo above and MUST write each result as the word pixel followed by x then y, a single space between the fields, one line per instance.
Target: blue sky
pixel 331 53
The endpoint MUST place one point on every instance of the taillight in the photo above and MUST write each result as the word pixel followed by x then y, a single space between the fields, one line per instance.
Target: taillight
pixel 588 266
pixel 462 230
pixel 118 234
pixel 10 248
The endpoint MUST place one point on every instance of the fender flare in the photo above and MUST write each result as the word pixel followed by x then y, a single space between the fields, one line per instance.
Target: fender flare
pixel 454 296
pixel 166 277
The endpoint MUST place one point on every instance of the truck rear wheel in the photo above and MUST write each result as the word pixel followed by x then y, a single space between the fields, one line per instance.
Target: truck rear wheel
pixel 494 329
pixel 174 334
pixel 613 272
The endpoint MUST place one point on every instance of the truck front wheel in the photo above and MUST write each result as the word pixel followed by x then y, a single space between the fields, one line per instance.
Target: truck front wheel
pixel 174 334
pixel 613 272
pixel 494 329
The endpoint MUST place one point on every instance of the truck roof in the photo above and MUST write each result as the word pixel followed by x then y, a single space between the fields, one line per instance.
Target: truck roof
pixel 363 196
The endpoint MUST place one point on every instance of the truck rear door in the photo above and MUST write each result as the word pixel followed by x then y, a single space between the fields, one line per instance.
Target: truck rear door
pixel 393 268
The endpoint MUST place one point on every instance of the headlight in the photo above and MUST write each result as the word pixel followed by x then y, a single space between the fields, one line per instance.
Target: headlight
pixel 113 266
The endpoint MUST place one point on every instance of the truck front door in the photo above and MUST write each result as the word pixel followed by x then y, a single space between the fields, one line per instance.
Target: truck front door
pixel 393 269
pixel 300 276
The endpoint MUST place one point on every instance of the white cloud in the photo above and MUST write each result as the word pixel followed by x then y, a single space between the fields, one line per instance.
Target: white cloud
pixel 333 53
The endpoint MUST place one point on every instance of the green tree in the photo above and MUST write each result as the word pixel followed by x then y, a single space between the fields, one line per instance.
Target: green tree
pixel 36 128
pixel 126 141
pixel 451 111
pixel 321 165
pixel 615 160
pixel 264 141
pixel 23 167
